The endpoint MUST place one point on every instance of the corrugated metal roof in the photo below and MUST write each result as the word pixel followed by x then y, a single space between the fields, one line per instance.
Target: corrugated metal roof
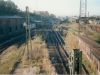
pixel 10 17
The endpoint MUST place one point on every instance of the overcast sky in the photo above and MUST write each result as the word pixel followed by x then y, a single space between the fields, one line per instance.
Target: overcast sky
pixel 59 7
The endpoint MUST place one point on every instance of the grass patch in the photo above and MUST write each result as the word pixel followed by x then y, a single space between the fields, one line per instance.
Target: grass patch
pixel 89 66
pixel 8 63
pixel 71 41
pixel 9 60
pixel 40 58
pixel 95 36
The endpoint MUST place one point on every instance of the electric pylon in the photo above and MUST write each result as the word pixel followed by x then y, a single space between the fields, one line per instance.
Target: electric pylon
pixel 83 11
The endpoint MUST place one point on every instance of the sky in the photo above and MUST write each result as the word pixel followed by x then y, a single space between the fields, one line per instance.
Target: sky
pixel 59 7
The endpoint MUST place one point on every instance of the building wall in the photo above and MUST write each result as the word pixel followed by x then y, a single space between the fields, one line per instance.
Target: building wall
pixel 11 26
pixel 87 50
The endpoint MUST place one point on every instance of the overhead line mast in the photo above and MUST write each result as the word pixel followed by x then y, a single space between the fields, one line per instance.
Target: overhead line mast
pixel 83 11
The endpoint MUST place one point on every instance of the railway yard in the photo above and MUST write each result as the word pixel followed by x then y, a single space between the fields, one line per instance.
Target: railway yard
pixel 48 54
pixel 50 37
pixel 55 51
pixel 18 59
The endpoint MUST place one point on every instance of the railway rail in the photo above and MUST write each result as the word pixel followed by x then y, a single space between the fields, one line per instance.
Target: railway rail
pixel 10 42
pixel 60 57
pixel 64 55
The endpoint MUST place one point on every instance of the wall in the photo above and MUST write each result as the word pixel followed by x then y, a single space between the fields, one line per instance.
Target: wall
pixel 88 52
pixel 11 27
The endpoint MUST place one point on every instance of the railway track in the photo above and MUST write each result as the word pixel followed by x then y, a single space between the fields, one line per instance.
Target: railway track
pixel 61 42
pixel 84 70
pixel 63 54
pixel 59 58
pixel 10 42
pixel 16 40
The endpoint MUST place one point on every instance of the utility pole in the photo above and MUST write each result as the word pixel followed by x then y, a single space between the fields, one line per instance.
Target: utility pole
pixel 28 34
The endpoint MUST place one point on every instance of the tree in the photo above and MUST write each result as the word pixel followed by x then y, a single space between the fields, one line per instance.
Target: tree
pixel 2 7
pixel 8 8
